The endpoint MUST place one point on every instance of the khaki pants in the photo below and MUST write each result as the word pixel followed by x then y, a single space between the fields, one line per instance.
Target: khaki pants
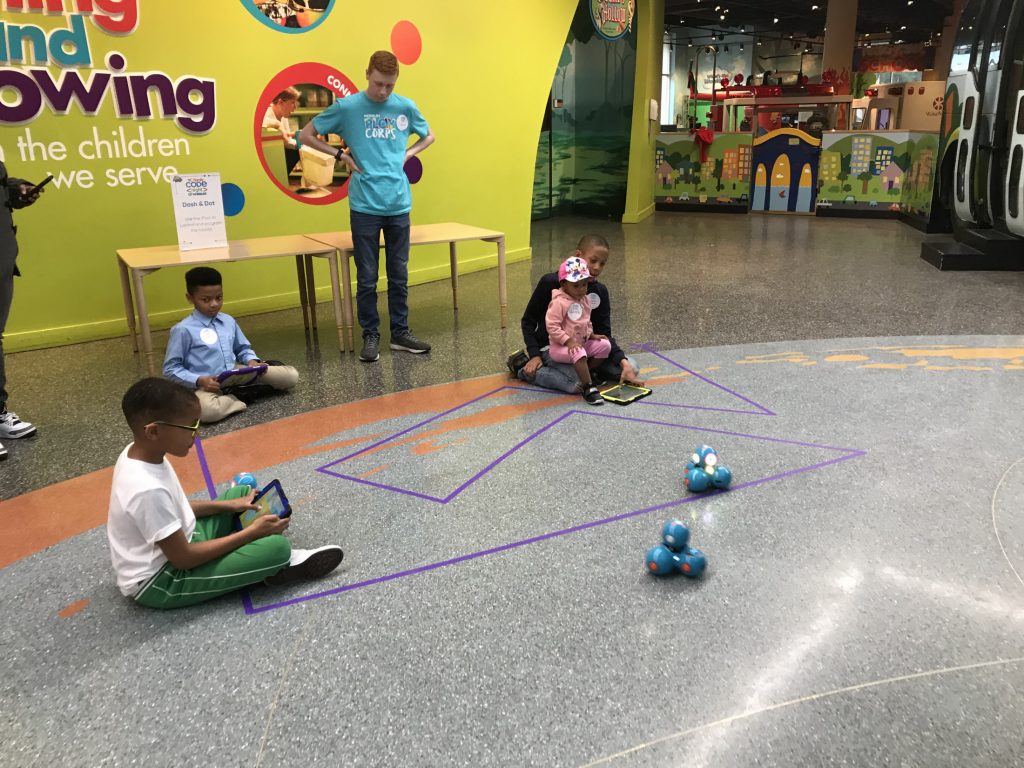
pixel 217 406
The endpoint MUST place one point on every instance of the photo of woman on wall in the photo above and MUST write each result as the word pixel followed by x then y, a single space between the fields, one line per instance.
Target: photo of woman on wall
pixel 292 13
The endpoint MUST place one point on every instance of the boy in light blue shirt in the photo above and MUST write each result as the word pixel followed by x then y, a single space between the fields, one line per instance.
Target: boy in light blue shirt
pixel 376 125
pixel 209 342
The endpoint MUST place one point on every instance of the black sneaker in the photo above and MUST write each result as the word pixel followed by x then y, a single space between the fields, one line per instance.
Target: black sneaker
pixel 592 396
pixel 371 348
pixel 307 564
pixel 516 361
pixel 406 342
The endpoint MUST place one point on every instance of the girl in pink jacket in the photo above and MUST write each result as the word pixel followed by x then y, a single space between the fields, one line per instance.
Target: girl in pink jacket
pixel 570 332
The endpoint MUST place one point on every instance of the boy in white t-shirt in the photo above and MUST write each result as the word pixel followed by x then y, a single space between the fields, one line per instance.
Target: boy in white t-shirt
pixel 170 552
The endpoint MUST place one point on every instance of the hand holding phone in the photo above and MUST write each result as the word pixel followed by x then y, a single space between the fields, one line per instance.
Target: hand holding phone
pixel 35 190
pixel 30 193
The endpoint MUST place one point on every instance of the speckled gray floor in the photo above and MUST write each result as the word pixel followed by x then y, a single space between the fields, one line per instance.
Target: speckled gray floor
pixel 861 613
pixel 684 280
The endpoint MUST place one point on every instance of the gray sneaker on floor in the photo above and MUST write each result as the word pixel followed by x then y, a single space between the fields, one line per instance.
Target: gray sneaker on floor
pixel 406 342
pixel 371 348
pixel 13 427
pixel 307 564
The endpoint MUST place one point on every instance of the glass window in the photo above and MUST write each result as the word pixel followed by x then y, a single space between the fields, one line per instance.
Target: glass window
pixel 968 113
pixel 1015 164
pixel 961 169
pixel 1020 116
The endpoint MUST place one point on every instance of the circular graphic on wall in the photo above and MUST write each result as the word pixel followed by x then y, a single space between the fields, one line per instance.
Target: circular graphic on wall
pixel 612 18
pixel 292 16
pixel 291 100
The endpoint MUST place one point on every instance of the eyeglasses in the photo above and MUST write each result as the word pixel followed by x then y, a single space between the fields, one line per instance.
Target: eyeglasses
pixel 194 428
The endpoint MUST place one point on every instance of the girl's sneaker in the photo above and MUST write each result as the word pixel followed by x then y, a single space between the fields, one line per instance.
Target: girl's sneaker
pixel 13 427
pixel 592 396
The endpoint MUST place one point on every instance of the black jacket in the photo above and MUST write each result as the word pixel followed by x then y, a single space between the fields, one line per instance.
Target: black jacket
pixel 535 332
pixel 9 201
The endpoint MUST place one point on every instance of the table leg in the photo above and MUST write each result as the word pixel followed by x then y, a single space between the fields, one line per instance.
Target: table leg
pixel 129 306
pixel 300 273
pixel 346 287
pixel 311 289
pixel 455 276
pixel 339 317
pixel 502 292
pixel 140 302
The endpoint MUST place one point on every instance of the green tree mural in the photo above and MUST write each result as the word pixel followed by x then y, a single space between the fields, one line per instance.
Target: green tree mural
pixel 865 178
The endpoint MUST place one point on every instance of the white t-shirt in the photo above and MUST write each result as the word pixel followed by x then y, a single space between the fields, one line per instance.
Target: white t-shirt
pixel 147 504
pixel 270 120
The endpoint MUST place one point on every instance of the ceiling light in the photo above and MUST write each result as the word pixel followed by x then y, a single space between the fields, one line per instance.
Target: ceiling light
pixel 722 17
pixel 814 7
pixel 776 20
pixel 903 27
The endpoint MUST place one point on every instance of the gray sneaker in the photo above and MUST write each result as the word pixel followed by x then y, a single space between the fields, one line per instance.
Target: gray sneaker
pixel 371 348
pixel 406 342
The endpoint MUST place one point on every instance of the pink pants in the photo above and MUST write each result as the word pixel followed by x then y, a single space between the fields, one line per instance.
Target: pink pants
pixel 595 348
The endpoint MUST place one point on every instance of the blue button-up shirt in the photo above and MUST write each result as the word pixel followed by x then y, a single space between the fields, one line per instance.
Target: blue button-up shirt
pixel 205 346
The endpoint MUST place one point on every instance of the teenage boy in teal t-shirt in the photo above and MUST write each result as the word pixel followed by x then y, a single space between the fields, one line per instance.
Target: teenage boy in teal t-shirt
pixel 376 124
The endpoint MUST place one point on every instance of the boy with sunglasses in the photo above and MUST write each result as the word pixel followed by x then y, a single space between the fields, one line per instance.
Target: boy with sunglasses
pixel 168 551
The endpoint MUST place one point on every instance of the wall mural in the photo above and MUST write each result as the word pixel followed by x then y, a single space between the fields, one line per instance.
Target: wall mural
pixel 722 177
pixel 587 149
pixel 893 170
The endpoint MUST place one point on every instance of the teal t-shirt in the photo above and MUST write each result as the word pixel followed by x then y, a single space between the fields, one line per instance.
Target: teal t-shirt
pixel 378 135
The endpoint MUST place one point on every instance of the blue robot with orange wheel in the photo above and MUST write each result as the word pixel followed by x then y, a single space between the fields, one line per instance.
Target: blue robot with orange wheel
pixel 674 555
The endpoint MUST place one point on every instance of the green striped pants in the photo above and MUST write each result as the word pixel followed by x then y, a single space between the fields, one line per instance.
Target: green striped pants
pixel 173 587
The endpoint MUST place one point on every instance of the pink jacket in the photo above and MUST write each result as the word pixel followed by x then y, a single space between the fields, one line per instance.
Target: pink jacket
pixel 567 319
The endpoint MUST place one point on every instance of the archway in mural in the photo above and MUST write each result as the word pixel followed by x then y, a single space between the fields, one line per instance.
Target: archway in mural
pixel 805 195
pixel 760 187
pixel 778 192
pixel 787 190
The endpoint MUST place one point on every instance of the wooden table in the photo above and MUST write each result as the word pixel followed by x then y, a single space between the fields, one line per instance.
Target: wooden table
pixel 136 263
pixel 423 234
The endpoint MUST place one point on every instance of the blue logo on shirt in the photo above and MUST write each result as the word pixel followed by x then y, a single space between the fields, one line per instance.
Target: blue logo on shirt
pixel 380 127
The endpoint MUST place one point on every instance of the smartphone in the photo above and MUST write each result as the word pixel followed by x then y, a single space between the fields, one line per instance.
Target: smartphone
pixel 39 186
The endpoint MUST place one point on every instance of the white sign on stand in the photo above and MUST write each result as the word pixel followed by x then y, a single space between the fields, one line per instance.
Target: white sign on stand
pixel 198 211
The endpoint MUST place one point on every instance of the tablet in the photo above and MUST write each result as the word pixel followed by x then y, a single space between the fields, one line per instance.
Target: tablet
pixel 236 377
pixel 624 394
pixel 271 501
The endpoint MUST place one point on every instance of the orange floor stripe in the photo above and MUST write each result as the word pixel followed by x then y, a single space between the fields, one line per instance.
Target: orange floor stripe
pixel 50 515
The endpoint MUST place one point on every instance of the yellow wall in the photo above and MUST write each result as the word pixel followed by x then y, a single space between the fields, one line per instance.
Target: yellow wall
pixel 481 81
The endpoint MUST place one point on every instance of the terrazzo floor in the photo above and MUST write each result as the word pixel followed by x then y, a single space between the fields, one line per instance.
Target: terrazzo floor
pixel 864 599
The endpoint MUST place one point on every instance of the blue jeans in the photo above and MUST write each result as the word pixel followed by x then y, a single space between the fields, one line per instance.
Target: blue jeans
pixel 562 377
pixel 366 229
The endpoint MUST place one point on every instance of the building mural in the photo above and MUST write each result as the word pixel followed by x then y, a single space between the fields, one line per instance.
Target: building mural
pixel 894 170
pixel 722 178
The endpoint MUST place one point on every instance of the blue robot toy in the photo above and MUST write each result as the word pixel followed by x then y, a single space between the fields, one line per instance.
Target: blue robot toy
pixel 674 555
pixel 703 471
pixel 245 478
